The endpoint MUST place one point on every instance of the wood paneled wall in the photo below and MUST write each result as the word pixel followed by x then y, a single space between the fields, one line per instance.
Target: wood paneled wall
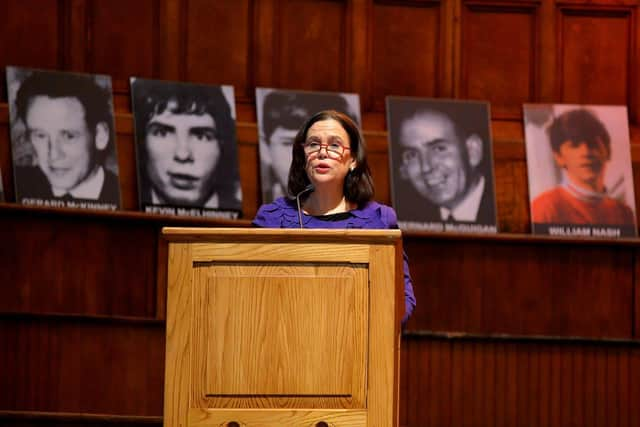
pixel 83 342
pixel 524 286
pixel 506 52
pixel 512 383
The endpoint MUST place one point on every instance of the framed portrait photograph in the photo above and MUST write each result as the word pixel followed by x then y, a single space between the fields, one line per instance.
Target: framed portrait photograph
pixel 186 149
pixel 441 162
pixel 63 139
pixel 579 169
pixel 280 114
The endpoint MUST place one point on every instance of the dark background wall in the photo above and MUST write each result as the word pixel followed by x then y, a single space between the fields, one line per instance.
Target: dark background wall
pixel 509 330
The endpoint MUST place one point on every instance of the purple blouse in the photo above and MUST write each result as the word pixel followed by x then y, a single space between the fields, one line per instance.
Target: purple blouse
pixel 282 213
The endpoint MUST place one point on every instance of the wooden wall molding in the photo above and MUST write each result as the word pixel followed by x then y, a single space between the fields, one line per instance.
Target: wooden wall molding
pixel 597 59
pixel 406 52
pixel 131 27
pixel 217 42
pixel 64 419
pixel 499 55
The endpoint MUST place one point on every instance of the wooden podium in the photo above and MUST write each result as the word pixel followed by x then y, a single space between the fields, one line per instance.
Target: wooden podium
pixel 283 327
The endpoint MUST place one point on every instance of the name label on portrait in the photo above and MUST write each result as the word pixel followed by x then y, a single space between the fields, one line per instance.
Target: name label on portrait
pixel 600 231
pixel 447 227
pixel 193 212
pixel 74 204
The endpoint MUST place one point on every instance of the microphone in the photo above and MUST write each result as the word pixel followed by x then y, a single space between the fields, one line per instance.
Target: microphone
pixel 308 189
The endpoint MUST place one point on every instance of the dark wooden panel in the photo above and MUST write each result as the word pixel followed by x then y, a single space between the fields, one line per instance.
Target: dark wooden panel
pixel 499 56
pixel 405 51
pixel 595 47
pixel 218 44
pixel 5 156
pixel 82 366
pixel 512 196
pixel 249 166
pixel 127 170
pixel 30 39
pixel 636 284
pixel 123 41
pixel 310 44
pixel 511 383
pixel 485 286
pixel 77 264
pixel 379 164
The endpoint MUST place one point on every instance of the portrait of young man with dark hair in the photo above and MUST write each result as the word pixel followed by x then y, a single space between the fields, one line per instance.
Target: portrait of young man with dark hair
pixel 582 150
pixel 186 148
pixel 66 121
pixel 441 164
pixel 280 115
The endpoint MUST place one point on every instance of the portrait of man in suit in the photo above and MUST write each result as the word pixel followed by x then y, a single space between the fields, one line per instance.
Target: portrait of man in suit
pixel 441 161
pixel 67 121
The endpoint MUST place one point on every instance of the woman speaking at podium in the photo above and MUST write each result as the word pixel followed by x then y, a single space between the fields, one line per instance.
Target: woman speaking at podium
pixel 330 186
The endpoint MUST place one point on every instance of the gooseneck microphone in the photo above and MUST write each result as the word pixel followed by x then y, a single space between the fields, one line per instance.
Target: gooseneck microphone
pixel 308 189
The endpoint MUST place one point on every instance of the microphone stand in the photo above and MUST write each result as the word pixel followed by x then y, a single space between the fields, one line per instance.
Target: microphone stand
pixel 307 189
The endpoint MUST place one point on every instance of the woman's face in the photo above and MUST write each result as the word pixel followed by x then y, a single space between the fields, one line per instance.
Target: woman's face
pixel 328 153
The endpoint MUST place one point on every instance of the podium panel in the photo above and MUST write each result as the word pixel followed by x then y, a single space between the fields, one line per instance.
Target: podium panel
pixel 282 327
pixel 286 320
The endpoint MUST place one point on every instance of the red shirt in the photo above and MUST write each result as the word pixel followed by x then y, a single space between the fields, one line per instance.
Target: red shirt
pixel 560 206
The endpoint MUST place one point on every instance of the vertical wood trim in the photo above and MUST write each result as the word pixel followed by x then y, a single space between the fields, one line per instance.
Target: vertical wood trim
pixel 634 385
pixel 456 47
pixel 366 95
pixel 448 67
pixel 263 39
pixel 178 357
pixel 162 261
pixel 635 292
pixel 64 35
pixel 634 68
pixel 156 37
pixel 77 45
pixel 358 52
pixel 383 340
pixel 250 84
pixel 170 33
pixel 183 16
pixel 547 46
pixel 89 48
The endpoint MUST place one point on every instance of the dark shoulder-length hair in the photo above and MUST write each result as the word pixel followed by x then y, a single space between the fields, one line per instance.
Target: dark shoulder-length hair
pixel 358 184
pixel 154 97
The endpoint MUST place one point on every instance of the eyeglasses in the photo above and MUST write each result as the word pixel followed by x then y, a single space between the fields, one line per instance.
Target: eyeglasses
pixel 335 149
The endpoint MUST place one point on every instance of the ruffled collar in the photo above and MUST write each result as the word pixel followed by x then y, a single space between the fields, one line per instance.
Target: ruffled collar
pixel 367 216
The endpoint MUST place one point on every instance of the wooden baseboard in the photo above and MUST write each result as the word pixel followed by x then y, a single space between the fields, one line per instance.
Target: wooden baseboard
pixel 64 419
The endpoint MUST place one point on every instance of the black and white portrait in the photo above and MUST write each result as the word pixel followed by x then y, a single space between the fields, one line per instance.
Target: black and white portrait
pixel 441 163
pixel 280 115
pixel 63 139
pixel 186 148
